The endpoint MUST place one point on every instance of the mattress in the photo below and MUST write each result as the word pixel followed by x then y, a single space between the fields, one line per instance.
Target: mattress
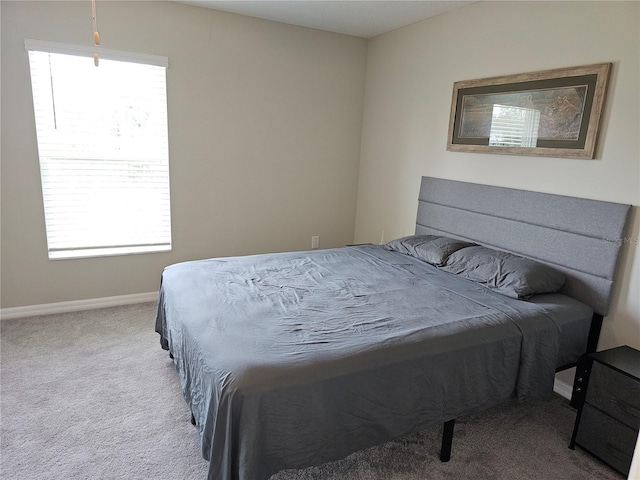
pixel 295 359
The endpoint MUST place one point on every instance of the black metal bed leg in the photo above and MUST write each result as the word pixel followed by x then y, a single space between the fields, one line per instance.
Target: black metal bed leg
pixel 447 440
pixel 594 333
pixel 171 355
pixel 193 420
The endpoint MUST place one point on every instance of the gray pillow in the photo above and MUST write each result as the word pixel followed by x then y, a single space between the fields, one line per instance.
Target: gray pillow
pixel 504 272
pixel 432 249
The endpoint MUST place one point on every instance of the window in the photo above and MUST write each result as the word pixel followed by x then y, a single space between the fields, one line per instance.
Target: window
pixel 103 148
pixel 514 126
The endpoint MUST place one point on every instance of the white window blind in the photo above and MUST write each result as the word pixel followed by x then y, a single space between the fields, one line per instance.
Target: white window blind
pixel 103 148
pixel 514 126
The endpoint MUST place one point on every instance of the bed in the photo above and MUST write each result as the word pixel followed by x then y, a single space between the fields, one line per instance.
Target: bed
pixel 295 359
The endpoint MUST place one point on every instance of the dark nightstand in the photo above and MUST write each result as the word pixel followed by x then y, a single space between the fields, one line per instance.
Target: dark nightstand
pixel 607 396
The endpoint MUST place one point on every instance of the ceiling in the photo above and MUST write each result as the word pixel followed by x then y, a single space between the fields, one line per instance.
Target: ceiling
pixel 361 18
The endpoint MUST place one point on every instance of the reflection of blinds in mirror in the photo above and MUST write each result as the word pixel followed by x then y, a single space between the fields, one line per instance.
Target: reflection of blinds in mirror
pixel 514 126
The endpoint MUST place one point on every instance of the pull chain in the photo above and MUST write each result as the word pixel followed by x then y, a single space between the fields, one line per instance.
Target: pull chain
pixel 96 35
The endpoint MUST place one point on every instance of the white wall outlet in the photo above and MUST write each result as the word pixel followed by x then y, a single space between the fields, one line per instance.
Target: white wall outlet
pixel 315 241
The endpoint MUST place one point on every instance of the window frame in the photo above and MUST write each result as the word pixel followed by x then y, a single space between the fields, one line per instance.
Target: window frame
pixel 81 251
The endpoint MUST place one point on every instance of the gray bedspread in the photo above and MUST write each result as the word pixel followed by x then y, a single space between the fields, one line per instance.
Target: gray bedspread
pixel 295 359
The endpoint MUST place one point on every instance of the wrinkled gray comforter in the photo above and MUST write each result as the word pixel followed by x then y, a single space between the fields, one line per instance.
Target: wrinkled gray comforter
pixel 295 359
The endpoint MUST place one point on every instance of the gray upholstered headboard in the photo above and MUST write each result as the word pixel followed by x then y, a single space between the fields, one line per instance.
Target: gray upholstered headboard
pixel 580 237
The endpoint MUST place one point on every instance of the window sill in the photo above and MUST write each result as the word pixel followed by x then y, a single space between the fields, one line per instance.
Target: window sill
pixel 107 252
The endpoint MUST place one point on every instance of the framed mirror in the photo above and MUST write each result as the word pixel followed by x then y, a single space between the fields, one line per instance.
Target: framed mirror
pixel 554 113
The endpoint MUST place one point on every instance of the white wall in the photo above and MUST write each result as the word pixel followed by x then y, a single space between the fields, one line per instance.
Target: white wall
pixel 265 122
pixel 264 139
pixel 410 75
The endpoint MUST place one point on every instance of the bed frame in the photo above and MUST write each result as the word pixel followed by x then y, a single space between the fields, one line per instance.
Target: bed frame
pixel 580 237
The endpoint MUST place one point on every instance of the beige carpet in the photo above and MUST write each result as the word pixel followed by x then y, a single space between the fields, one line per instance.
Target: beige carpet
pixel 91 395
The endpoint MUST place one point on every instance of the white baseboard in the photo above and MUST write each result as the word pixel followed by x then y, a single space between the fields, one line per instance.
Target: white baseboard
pixel 76 305
pixel 563 389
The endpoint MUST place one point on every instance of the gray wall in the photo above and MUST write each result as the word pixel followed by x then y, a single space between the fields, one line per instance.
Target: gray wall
pixel 264 140
pixel 274 135
pixel 410 74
